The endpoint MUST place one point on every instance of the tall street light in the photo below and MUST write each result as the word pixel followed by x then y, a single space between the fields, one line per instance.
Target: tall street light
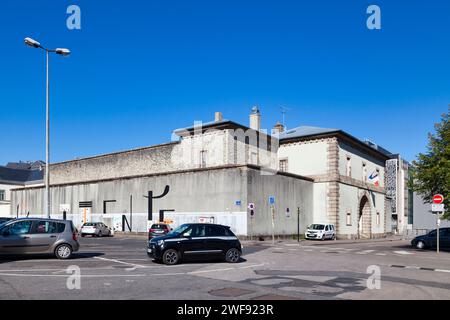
pixel 64 52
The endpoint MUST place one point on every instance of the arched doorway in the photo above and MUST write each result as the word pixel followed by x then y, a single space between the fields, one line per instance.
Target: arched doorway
pixel 364 218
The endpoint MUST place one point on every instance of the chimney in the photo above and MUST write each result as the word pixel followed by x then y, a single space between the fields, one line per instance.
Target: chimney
pixel 255 119
pixel 218 116
pixel 278 128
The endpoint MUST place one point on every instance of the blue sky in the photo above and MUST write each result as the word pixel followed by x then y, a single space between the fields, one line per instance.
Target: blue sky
pixel 140 69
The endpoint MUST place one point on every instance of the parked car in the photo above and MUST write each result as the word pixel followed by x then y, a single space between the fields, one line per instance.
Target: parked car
pixel 196 240
pixel 429 240
pixel 158 229
pixel 320 231
pixel 3 220
pixel 39 236
pixel 95 229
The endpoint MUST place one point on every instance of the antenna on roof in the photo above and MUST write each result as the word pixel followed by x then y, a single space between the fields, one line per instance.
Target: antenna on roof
pixel 283 112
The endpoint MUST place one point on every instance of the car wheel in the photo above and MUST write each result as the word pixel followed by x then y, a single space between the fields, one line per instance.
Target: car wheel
pixel 171 257
pixel 63 251
pixel 99 234
pixel 233 255
pixel 420 245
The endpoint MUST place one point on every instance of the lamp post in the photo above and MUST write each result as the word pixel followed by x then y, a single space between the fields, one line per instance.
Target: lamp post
pixel 64 52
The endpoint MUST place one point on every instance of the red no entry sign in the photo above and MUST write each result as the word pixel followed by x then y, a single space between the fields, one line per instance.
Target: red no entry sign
pixel 438 198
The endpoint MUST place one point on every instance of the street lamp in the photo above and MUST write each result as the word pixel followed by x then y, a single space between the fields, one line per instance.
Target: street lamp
pixel 64 52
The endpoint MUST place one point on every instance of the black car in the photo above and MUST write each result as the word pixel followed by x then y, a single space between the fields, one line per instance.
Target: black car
pixel 429 240
pixel 196 240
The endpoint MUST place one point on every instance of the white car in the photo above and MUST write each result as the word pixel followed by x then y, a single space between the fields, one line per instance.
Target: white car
pixel 320 231
pixel 95 229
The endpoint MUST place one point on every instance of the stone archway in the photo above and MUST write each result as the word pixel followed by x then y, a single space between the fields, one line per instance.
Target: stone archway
pixel 364 218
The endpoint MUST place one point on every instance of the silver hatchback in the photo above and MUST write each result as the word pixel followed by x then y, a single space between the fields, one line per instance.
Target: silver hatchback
pixel 36 236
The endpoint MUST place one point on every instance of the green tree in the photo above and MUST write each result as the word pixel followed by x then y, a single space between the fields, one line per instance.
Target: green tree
pixel 431 170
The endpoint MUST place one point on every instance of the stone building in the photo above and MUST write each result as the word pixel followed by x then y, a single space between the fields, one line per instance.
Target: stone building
pixel 348 178
pixel 215 170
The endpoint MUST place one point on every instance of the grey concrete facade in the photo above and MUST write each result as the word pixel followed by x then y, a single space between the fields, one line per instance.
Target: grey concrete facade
pixel 216 192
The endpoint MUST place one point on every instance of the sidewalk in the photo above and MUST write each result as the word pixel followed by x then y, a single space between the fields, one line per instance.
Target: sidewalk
pixel 327 242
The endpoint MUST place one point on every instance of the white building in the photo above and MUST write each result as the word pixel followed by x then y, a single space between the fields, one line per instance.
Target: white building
pixel 348 178
pixel 15 175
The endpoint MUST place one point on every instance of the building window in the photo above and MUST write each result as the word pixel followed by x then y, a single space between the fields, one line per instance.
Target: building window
pixel 203 158
pixel 349 218
pixel 349 166
pixel 284 165
pixel 378 219
pixel 2 195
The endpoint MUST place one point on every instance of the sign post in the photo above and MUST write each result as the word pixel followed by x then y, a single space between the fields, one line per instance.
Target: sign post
pixel 298 224
pixel 251 207
pixel 437 207
pixel 272 211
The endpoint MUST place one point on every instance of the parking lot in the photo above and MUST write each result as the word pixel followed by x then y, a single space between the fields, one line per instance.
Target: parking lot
pixel 118 268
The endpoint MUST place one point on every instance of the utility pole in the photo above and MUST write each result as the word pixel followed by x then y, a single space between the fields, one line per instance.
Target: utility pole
pixel 298 224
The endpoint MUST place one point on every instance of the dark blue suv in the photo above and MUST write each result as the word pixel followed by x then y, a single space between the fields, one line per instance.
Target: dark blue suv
pixel 196 240
pixel 429 240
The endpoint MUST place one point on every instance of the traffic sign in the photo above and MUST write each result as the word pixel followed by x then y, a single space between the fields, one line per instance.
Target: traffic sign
pixel 238 202
pixel 437 207
pixel 251 206
pixel 271 200
pixel 438 198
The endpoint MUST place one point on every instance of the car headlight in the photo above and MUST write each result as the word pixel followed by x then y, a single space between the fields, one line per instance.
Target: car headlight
pixel 160 243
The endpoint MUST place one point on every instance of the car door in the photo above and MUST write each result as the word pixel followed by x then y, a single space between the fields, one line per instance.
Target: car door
pixel 217 240
pixel 194 243
pixel 445 238
pixel 43 236
pixel 15 237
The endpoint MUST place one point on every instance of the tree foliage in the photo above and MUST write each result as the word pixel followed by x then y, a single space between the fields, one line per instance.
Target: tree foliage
pixel 431 170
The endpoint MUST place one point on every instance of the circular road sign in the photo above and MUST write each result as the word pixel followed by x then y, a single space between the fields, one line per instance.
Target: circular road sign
pixel 438 198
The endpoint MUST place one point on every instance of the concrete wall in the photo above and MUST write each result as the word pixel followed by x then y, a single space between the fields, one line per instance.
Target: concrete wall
pixel 220 193
pixel 289 193
pixel 423 218
pixel 305 158
pixel 133 162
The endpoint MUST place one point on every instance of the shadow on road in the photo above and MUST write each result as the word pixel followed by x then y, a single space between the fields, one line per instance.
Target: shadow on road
pixel 49 257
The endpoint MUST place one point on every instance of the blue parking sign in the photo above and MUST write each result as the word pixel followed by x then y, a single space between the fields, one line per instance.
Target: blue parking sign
pixel 271 200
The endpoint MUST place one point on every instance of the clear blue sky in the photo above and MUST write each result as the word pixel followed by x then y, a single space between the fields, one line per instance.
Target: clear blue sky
pixel 140 69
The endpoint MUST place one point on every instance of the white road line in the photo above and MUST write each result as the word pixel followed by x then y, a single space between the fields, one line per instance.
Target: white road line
pixel 442 270
pixel 380 254
pixel 402 252
pixel 365 252
pixel 122 262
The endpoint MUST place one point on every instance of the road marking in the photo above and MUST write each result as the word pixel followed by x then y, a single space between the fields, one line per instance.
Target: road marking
pixel 402 252
pixel 419 268
pixel 380 254
pixel 122 262
pixel 365 252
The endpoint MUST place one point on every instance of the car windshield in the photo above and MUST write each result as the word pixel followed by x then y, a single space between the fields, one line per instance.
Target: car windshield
pixel 180 229
pixel 317 227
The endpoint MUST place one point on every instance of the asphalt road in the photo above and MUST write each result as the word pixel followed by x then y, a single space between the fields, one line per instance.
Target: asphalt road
pixel 118 268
